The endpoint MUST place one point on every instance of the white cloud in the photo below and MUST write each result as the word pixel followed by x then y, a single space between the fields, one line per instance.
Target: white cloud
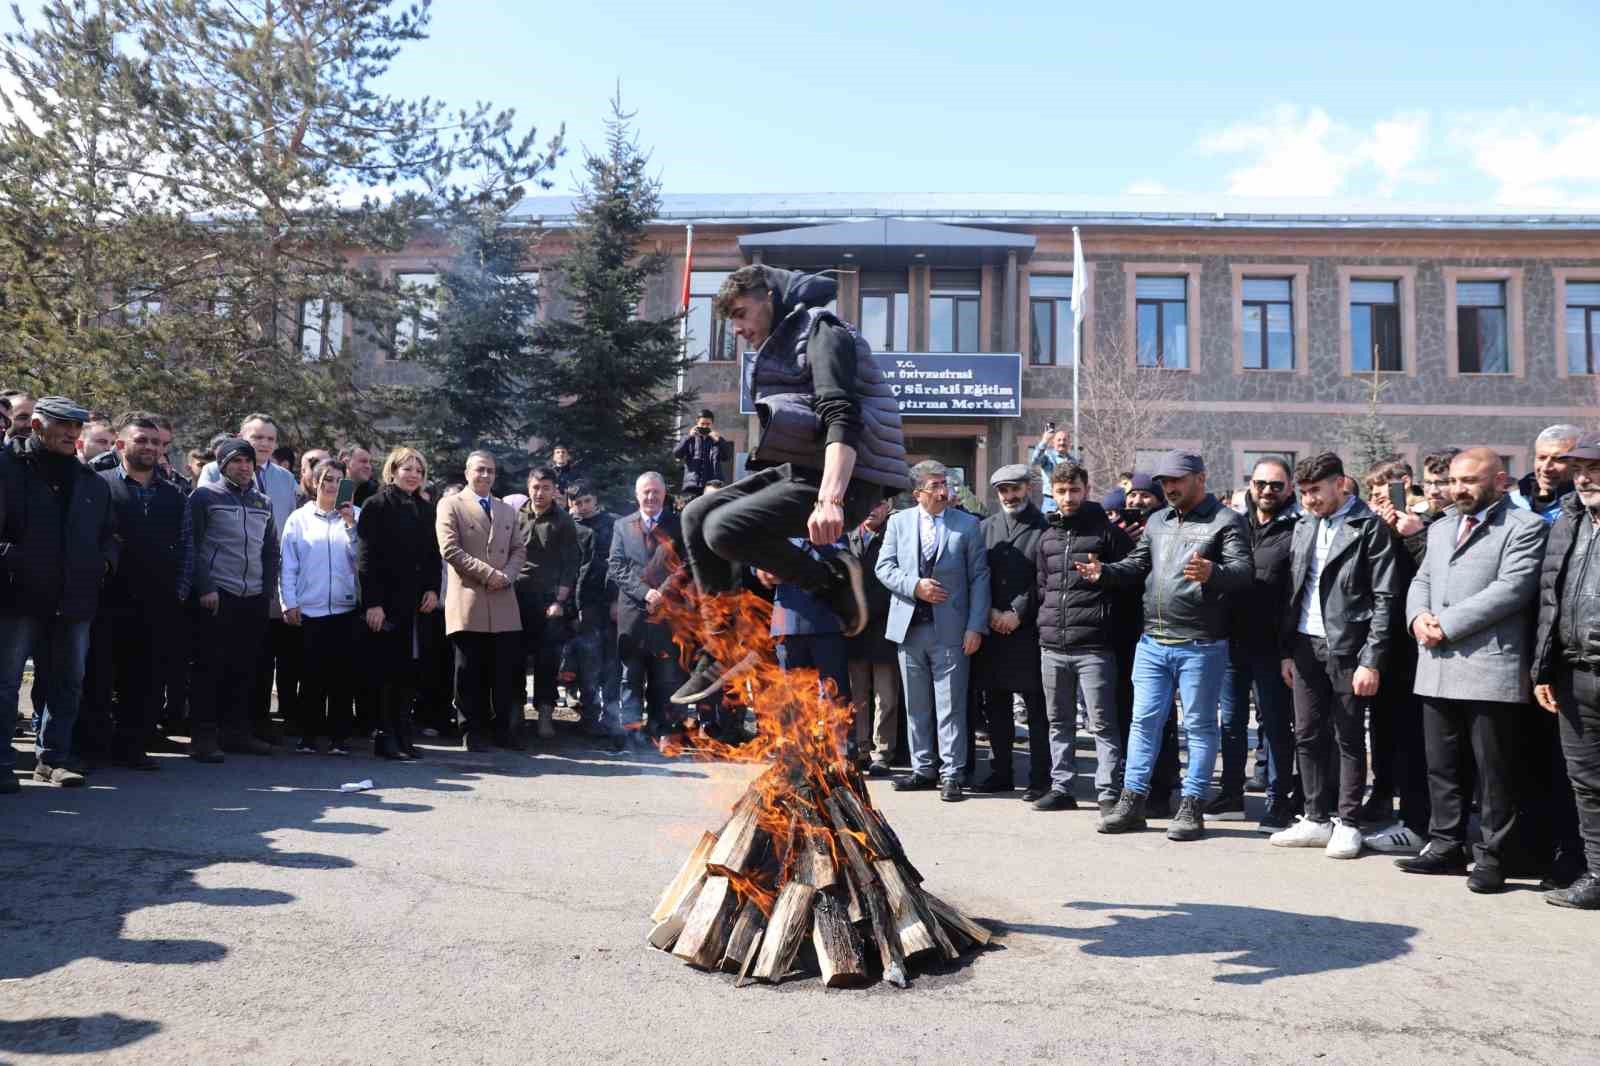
pixel 1306 152
pixel 1534 157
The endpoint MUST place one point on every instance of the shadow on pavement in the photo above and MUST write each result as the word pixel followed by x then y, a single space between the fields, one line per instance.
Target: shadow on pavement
pixel 75 864
pixel 1269 943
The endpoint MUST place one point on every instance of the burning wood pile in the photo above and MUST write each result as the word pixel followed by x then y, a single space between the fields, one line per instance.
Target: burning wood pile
pixel 804 858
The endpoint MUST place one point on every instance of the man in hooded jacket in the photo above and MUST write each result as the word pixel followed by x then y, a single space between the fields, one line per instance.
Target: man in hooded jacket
pixel 830 448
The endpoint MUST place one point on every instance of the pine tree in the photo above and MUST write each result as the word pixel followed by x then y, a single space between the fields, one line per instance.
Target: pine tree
pixel 603 380
pixel 1367 438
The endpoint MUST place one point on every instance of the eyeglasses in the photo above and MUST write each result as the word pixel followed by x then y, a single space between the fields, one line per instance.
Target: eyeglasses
pixel 1275 486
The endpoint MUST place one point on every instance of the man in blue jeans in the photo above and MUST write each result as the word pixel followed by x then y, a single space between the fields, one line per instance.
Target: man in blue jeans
pixel 57 544
pixel 1193 558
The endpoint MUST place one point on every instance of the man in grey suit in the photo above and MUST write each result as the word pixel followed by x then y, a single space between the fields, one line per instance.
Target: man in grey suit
pixel 936 569
pixel 1471 609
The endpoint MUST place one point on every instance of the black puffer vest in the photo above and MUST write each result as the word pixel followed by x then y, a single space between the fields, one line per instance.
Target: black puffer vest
pixel 779 380
pixel 1075 615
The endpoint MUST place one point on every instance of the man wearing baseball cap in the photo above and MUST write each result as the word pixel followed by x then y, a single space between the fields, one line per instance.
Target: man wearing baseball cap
pixel 57 544
pixel 1194 555
pixel 1566 657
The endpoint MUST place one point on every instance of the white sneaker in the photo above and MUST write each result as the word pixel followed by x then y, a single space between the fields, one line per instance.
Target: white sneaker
pixel 1304 833
pixel 1344 842
pixel 1396 839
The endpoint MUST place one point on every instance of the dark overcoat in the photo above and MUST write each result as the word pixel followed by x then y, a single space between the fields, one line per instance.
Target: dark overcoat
pixel 1010 662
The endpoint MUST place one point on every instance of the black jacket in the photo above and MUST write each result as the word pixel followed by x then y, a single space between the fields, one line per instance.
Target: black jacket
pixel 1175 608
pixel 1009 662
pixel 1359 586
pixel 1073 614
pixel 1549 650
pixel 870 645
pixel 595 593
pixel 636 565
pixel 702 458
pixel 155 546
pixel 57 534
pixel 1255 614
pixel 397 552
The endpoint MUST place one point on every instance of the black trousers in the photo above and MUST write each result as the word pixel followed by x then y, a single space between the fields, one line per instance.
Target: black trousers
pixel 137 663
pixel 278 657
pixel 750 523
pixel 1578 696
pixel 93 731
pixel 327 679
pixel 436 706
pixel 1399 755
pixel 1459 731
pixel 543 639
pixel 1327 712
pixel 226 646
pixel 172 670
pixel 995 711
pixel 489 682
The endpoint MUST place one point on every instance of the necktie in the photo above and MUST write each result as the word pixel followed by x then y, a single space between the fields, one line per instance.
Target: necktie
pixel 930 539
pixel 649 525
pixel 1467 525
pixel 483 501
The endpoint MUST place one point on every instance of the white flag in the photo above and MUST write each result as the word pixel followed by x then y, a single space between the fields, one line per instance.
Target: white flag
pixel 1080 282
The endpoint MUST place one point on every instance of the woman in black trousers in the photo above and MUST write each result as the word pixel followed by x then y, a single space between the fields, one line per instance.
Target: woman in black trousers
pixel 397 563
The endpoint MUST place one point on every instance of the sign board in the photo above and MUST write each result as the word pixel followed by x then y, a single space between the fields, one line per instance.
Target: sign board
pixel 945 385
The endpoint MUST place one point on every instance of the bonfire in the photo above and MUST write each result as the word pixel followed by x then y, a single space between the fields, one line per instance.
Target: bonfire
pixel 804 857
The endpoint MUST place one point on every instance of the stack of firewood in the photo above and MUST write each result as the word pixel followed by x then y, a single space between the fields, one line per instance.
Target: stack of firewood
pixel 806 858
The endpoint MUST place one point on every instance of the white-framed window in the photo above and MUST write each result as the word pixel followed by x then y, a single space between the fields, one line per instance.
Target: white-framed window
pixel 421 323
pixel 321 328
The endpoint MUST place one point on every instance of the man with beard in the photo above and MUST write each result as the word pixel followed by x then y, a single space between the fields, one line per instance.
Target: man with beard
pixel 1076 642
pixel 1566 662
pixel 1541 488
pixel 1469 608
pixel 57 543
pixel 1253 660
pixel 1194 556
pixel 593 649
pixel 1007 665
pixel 143 599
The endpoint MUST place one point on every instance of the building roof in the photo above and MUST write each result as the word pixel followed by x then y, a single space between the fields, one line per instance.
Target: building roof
pixel 1045 209
pixel 889 241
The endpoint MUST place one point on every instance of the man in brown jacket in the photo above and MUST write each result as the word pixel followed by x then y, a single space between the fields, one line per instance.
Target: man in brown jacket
pixel 479 543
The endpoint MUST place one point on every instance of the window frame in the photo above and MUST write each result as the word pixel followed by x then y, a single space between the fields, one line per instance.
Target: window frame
pixel 1298 275
pixel 718 339
pixel 895 297
pixel 1512 277
pixel 1161 304
pixel 1264 354
pixel 1372 326
pixel 1192 273
pixel 1405 279
pixel 957 298
pixel 1463 311
pixel 1563 276
pixel 417 330
pixel 1054 303
pixel 330 343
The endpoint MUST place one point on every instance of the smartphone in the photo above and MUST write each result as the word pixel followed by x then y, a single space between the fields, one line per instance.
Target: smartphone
pixel 347 493
pixel 1397 496
pixel 1050 425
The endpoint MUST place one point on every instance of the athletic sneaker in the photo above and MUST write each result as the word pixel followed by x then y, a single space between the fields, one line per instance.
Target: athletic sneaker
pixel 1226 808
pixel 1345 842
pixel 708 678
pixel 1303 834
pixel 1396 839
pixel 1275 818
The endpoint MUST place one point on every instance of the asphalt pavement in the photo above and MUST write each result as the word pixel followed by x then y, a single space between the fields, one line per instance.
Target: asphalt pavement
pixel 493 908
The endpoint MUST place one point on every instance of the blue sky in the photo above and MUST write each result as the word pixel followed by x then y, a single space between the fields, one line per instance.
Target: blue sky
pixel 1466 104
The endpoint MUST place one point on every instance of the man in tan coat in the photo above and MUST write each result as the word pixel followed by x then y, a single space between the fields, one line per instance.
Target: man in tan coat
pixel 479 542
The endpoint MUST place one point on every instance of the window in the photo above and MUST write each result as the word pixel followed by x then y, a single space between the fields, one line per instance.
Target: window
pixel 530 278
pixel 321 328
pixel 1583 327
pixel 953 311
pixel 1053 342
pixel 1375 326
pixel 709 335
pixel 1162 309
pixel 1268 323
pixel 142 306
pixel 885 320
pixel 418 323
pixel 1481 327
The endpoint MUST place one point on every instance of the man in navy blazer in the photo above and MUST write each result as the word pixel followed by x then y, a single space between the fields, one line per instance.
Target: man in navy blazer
pixel 936 569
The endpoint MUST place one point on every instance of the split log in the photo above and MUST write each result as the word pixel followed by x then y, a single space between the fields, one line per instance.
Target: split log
pixel 791 920
pixel 947 946
pixel 845 835
pixel 687 877
pixel 813 863
pixel 837 945
pixel 881 839
pixel 742 842
pixel 855 910
pixel 747 932
pixel 887 937
pixel 705 931
pixel 750 959
pixel 915 936
pixel 665 933
pixel 958 921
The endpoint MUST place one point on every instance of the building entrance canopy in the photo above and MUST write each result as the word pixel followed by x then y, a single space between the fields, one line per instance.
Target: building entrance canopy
pixel 887 243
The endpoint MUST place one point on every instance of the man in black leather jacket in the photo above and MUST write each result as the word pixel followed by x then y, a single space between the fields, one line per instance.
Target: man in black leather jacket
pixel 1192 559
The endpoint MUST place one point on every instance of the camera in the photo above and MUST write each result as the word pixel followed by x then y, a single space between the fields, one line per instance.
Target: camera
pixel 704 431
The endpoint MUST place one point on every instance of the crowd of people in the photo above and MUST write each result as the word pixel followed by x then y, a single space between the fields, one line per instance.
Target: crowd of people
pixel 1412 651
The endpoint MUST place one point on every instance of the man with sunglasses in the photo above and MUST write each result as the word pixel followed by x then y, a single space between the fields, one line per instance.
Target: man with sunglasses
pixel 1253 662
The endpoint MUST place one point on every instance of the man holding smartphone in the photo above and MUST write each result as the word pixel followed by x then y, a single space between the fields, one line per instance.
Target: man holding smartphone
pixel 701 453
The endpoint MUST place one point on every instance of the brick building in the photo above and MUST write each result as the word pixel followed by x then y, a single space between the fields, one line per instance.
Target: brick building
pixel 1484 329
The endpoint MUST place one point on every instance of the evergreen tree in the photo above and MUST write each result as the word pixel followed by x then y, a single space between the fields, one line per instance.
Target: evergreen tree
pixel 1367 438
pixel 604 377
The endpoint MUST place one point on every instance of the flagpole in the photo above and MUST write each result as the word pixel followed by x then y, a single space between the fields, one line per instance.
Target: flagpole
pixel 683 326
pixel 1080 310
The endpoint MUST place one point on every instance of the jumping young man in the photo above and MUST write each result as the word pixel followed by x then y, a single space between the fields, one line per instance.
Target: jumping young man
pixel 830 448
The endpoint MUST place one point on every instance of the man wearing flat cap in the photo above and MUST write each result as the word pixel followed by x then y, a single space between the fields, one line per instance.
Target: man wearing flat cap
pixel 57 544
pixel 1193 558
pixel 1007 665
pixel 235 574
pixel 1566 656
